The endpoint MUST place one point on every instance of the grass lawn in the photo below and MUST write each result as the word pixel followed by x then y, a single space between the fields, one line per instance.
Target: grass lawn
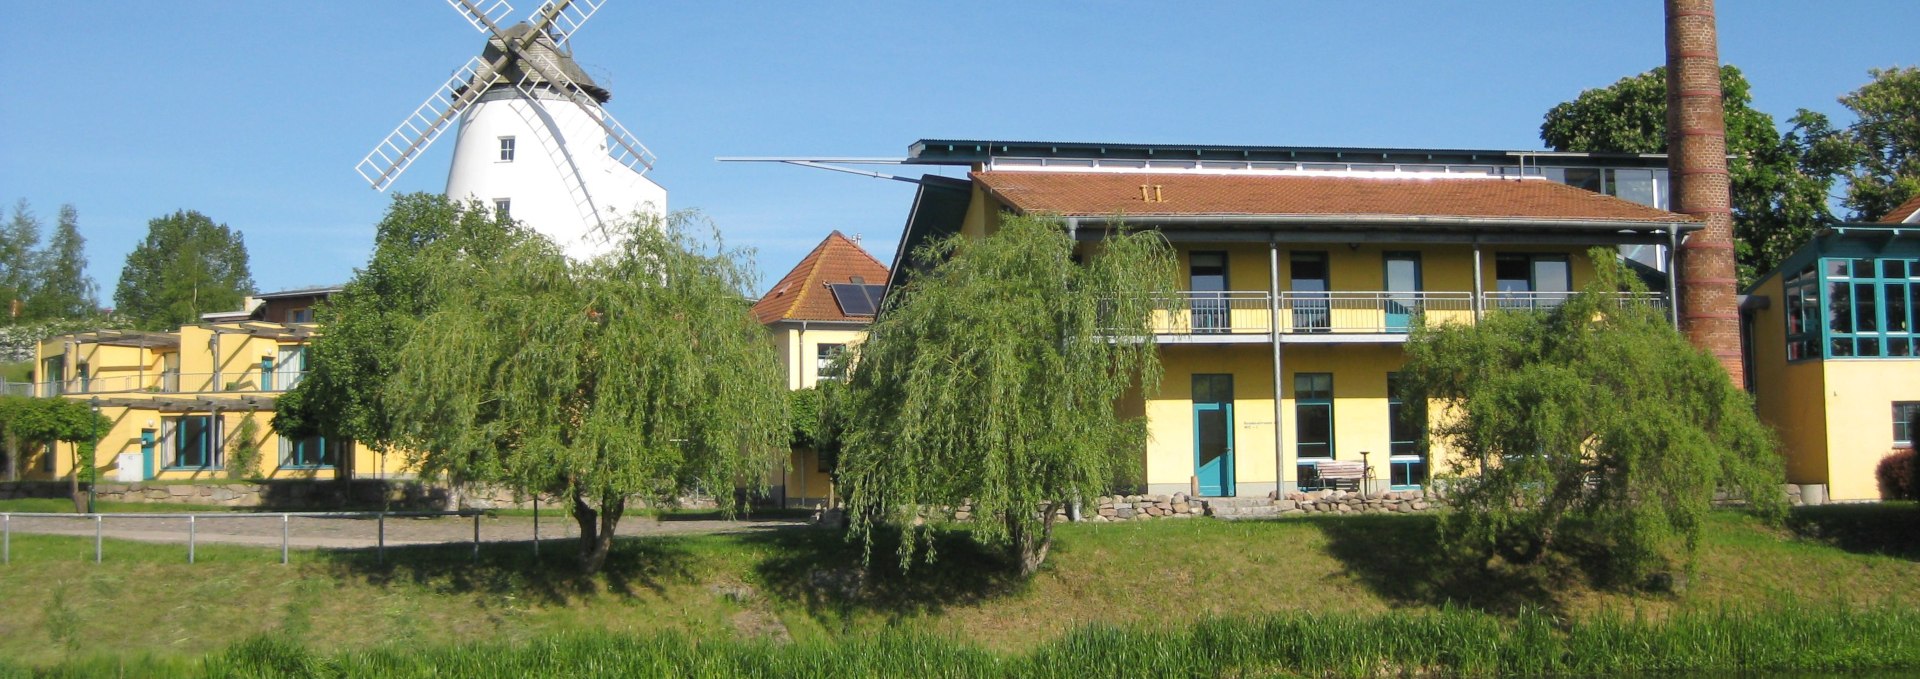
pixel 805 585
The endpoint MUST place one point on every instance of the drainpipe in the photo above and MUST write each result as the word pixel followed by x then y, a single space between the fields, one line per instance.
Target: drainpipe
pixel 214 343
pixel 1673 289
pixel 1479 285
pixel 1273 334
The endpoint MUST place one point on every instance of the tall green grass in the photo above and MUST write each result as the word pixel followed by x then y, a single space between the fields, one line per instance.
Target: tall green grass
pixel 1448 642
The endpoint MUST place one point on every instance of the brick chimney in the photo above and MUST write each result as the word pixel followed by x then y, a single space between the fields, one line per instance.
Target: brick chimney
pixel 1697 160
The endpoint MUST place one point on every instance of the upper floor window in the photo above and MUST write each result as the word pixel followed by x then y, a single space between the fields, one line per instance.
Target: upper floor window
pixel 503 207
pixel 827 361
pixel 301 315
pixel 1802 293
pixel 1524 281
pixel 506 149
pixel 1869 307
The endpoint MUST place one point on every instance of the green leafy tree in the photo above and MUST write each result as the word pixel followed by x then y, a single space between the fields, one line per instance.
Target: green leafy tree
pixel 344 392
pixel 188 265
pixel 19 260
pixel 1884 141
pixel 638 374
pixel 40 420
pixel 64 289
pixel 1779 182
pixel 994 376
pixel 1593 431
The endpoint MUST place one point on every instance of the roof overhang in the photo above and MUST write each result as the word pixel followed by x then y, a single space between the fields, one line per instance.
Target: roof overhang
pixel 185 403
pixel 969 152
pixel 280 331
pixel 1391 229
pixel 124 338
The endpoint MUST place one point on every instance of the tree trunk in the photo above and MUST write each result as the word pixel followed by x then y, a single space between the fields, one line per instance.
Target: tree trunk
pixel 13 458
pixel 596 539
pixel 1030 550
pixel 79 501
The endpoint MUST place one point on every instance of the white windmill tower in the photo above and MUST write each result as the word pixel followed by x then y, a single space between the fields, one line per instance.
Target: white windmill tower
pixel 533 140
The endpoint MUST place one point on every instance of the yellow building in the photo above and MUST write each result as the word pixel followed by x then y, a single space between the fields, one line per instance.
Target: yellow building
pixel 1304 270
pixel 179 401
pixel 1833 354
pixel 815 313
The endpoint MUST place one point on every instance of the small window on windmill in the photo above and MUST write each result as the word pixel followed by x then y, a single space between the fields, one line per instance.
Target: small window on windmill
pixel 503 207
pixel 506 149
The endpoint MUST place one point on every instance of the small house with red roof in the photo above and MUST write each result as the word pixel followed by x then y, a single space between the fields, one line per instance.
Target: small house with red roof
pixel 815 313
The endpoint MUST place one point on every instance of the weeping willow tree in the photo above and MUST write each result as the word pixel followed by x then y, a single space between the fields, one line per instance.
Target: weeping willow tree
pixel 1593 431
pixel 639 374
pixel 993 378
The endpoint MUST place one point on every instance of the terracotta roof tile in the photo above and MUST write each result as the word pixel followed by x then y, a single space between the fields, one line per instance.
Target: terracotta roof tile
pixel 1169 194
pixel 802 294
pixel 1904 212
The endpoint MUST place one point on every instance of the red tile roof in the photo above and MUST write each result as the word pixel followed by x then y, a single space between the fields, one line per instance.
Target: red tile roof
pixel 1902 213
pixel 802 294
pixel 1100 194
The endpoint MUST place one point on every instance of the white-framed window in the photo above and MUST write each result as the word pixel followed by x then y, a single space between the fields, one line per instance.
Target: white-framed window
pixel 506 149
pixel 827 361
pixel 1902 420
pixel 503 207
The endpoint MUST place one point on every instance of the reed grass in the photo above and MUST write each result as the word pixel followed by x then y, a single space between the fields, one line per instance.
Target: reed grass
pixel 1450 642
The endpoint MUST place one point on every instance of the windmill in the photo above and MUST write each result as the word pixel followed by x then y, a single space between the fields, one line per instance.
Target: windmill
pixel 533 139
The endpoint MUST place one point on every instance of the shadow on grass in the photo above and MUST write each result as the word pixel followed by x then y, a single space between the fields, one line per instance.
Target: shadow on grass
pixel 634 565
pixel 1399 558
pixel 1888 528
pixel 822 570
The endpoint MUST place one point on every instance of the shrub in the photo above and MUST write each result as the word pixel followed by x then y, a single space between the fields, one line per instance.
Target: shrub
pixel 1895 474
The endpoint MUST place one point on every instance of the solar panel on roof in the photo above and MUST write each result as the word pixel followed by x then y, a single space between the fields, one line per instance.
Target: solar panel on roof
pixel 857 300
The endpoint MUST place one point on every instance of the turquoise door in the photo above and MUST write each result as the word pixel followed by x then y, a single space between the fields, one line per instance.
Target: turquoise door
pixel 1403 289
pixel 146 454
pixel 1213 434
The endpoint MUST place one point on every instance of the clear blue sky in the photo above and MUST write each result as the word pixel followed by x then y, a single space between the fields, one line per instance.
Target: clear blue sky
pixel 255 112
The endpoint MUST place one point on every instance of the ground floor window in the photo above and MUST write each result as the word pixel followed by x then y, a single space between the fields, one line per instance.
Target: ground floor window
pixel 827 361
pixel 47 460
pixel 312 452
pixel 194 442
pixel 1406 427
pixel 1903 412
pixel 1313 424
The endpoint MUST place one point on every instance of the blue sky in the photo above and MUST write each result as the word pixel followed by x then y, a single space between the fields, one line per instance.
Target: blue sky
pixel 255 113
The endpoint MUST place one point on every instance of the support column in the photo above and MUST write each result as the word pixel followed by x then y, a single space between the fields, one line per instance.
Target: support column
pixel 1697 161
pixel 1281 485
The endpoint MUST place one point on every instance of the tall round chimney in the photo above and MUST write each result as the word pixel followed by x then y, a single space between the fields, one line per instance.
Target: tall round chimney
pixel 1697 160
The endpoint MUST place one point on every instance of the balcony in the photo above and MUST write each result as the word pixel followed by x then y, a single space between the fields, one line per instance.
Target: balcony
pixel 1349 316
pixel 165 382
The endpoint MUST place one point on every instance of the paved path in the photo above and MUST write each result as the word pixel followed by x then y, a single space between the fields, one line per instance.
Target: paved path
pixel 242 528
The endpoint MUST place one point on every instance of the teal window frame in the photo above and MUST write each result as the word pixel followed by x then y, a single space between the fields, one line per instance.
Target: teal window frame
pixel 1311 392
pixel 1881 323
pixel 208 456
pixel 1806 335
pixel 1407 464
pixel 311 453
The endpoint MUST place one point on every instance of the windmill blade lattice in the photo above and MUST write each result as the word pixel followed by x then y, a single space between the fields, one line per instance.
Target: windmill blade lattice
pixel 483 13
pixel 568 18
pixel 405 143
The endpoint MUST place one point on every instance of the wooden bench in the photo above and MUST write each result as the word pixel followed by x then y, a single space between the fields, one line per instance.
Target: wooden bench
pixel 1343 474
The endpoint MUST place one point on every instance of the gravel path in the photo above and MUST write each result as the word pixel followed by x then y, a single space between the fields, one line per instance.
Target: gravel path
pixel 325 533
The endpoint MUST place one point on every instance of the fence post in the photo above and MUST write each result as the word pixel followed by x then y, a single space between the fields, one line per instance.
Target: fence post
pixel 193 532
pixel 96 538
pixel 283 539
pixel 6 539
pixel 536 526
pixel 381 549
pixel 476 537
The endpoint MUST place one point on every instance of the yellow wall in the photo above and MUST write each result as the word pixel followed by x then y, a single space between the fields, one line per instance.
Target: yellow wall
pixel 1359 409
pixel 1859 412
pixel 799 351
pixel 121 373
pixel 1788 396
pixel 802 482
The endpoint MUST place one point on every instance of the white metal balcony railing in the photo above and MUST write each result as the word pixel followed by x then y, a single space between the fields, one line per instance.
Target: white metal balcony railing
pixel 166 382
pixel 1353 312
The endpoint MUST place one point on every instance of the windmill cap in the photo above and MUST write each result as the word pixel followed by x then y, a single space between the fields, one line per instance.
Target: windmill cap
pixel 543 48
